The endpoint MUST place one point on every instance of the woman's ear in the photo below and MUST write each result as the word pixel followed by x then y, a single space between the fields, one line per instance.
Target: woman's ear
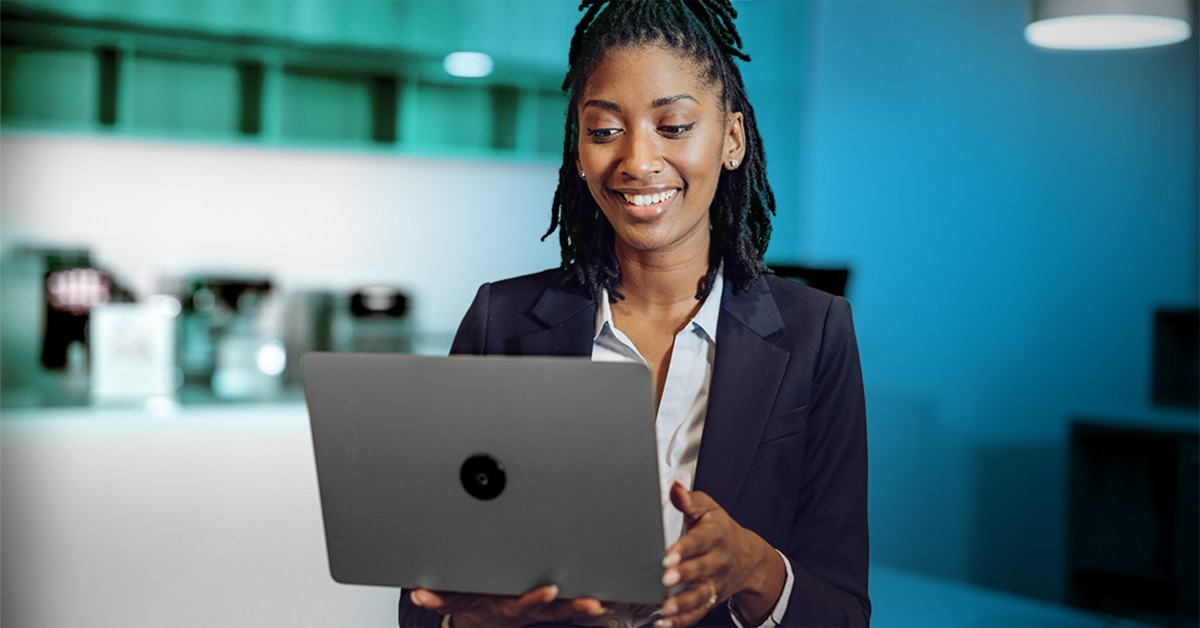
pixel 735 141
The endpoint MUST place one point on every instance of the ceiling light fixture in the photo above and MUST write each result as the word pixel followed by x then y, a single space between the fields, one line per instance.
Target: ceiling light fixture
pixel 1108 24
pixel 468 64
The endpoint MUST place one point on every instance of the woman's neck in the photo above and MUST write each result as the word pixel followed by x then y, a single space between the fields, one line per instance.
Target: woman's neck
pixel 661 281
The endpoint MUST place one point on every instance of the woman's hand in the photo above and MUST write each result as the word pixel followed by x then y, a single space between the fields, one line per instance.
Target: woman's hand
pixel 719 559
pixel 539 605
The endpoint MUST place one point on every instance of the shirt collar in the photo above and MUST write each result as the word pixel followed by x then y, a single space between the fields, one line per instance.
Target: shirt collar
pixel 705 320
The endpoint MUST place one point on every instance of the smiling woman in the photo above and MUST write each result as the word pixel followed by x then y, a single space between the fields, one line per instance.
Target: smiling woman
pixel 652 161
pixel 705 43
pixel 663 215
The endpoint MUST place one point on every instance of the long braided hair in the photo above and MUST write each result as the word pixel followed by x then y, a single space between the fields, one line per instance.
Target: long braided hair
pixel 740 215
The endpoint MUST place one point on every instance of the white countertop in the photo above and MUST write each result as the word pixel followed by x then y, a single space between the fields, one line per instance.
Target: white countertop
pixel 209 517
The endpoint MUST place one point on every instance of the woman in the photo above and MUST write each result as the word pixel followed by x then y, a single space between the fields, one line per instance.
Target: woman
pixel 663 216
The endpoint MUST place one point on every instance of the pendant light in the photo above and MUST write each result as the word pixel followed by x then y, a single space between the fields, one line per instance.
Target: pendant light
pixel 1108 24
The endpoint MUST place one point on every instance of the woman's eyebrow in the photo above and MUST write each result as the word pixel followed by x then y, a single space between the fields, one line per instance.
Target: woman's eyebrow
pixel 603 104
pixel 608 105
pixel 666 100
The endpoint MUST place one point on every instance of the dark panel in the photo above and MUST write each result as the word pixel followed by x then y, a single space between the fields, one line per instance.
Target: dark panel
pixel 1177 358
pixel 384 106
pixel 250 79
pixel 1132 522
pixel 110 66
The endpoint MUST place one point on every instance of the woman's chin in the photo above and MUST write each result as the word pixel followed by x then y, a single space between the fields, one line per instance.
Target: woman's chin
pixel 660 238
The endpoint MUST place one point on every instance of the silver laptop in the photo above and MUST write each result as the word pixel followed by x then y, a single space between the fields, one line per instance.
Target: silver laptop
pixel 488 474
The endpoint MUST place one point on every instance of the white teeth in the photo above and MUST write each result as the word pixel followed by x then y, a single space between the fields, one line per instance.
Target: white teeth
pixel 645 200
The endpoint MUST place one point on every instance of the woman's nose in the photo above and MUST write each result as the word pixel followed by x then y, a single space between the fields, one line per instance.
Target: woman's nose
pixel 641 156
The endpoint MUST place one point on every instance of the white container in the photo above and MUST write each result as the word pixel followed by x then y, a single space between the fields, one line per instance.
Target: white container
pixel 132 348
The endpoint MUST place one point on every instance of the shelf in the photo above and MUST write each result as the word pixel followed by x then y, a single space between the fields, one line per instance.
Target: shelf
pixel 68 73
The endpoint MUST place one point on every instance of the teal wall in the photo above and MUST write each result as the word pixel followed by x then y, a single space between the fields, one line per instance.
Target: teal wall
pixel 1013 217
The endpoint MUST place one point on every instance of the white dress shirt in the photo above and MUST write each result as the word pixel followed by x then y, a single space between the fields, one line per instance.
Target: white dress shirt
pixel 678 426
pixel 679 423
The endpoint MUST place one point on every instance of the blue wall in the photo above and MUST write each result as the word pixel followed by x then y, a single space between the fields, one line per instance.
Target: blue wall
pixel 1013 216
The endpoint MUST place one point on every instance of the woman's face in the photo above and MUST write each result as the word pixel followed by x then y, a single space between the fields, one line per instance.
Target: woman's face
pixel 653 138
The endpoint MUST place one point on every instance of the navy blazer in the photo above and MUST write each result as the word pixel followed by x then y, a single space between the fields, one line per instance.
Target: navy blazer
pixel 784 445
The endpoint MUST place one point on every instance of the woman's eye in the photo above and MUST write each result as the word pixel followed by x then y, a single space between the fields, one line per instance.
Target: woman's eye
pixel 602 134
pixel 673 130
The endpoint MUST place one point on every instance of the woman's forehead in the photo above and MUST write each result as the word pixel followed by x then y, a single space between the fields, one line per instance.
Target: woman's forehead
pixel 649 69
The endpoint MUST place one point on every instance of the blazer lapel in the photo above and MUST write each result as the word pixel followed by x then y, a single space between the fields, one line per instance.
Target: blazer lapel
pixel 568 319
pixel 746 376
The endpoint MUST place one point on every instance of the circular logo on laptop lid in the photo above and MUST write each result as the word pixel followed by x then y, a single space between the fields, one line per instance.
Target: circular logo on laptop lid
pixel 482 476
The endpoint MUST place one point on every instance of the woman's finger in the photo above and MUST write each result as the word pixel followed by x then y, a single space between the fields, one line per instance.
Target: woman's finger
pixel 693 504
pixel 588 606
pixel 698 539
pixel 690 606
pixel 534 603
pixel 713 564
pixel 701 558
pixel 455 603
pixel 427 599
pixel 540 604
pixel 695 542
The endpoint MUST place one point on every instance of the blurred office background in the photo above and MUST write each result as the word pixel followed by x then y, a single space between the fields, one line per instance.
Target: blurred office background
pixel 195 192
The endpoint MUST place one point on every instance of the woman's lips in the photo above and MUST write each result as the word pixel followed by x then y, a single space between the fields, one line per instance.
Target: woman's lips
pixel 643 200
pixel 648 205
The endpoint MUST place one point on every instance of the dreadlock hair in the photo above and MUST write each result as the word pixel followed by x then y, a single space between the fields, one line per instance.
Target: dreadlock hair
pixel 739 218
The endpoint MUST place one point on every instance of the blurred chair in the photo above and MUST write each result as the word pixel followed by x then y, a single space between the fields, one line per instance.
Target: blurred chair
pixel 831 280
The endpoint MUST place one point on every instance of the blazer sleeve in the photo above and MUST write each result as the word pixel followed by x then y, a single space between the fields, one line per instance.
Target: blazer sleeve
pixel 828 548
pixel 471 337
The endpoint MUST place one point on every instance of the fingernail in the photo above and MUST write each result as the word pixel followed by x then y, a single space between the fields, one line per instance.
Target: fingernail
pixel 551 592
pixel 671 578
pixel 671 559
pixel 669 608
pixel 662 623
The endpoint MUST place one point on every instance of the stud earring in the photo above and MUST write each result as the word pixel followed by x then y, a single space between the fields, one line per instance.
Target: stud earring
pixel 582 174
pixel 733 164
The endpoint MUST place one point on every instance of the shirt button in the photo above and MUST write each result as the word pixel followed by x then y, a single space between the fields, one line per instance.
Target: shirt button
pixel 613 622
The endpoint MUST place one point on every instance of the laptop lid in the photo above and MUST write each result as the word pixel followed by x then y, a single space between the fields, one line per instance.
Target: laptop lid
pixel 488 474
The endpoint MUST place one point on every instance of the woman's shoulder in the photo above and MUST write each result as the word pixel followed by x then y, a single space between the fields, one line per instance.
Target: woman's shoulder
pixel 795 297
pixel 510 308
pixel 533 282
pixel 553 287
pixel 812 322
pixel 807 311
